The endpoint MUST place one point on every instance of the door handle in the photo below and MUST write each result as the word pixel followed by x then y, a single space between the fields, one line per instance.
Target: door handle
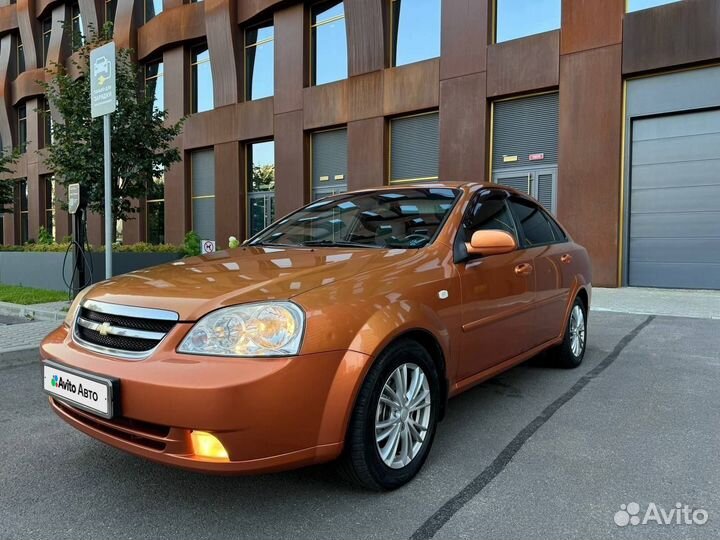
pixel 523 269
pixel 567 258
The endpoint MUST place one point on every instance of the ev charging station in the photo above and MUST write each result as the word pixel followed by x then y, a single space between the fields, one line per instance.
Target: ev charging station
pixel 103 103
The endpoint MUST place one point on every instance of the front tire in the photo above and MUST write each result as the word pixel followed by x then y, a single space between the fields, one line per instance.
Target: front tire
pixel 569 354
pixel 393 424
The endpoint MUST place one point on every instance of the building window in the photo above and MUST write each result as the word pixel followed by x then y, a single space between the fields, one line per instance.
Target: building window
pixel 154 84
pixel 22 127
pixel 48 182
pixel 202 180
pixel 259 61
pixel 46 31
pixel 415 30
pixel 155 211
pixel 519 18
pixel 329 162
pixel 414 148
pixel 152 8
pixel 637 5
pixel 110 8
pixel 46 118
pixel 202 83
pixel 22 201
pixel 328 42
pixel 20 56
pixel 261 185
pixel 77 35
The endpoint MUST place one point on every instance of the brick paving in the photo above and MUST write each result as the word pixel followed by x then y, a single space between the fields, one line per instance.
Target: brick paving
pixel 26 335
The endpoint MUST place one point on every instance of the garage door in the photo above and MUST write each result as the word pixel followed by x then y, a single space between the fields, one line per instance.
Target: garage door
pixel 675 201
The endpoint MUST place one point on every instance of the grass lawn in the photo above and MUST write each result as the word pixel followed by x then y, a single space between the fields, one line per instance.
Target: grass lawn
pixel 27 295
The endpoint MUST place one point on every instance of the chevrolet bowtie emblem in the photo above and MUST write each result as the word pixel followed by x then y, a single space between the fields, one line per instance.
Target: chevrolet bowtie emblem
pixel 104 329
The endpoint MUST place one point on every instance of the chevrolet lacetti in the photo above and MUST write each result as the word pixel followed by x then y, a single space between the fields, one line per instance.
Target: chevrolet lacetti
pixel 339 332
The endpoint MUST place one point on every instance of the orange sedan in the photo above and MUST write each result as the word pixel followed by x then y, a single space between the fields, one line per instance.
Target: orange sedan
pixel 340 331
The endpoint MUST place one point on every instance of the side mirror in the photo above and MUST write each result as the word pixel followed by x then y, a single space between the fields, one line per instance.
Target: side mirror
pixel 491 242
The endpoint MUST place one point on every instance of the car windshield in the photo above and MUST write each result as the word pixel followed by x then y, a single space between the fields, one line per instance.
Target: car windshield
pixel 396 218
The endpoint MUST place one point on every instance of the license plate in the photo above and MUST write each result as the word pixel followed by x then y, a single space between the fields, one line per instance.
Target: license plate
pixel 87 391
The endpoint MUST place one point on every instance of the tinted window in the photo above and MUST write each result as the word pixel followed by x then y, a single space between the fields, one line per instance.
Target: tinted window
pixel 535 224
pixel 489 213
pixel 402 218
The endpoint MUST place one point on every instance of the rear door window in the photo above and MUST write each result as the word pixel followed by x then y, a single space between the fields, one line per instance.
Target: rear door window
pixel 534 223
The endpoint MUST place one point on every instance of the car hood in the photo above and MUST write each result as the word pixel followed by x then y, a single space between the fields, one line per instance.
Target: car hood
pixel 192 287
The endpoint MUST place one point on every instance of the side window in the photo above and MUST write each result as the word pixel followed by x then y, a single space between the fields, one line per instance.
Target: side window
pixel 487 213
pixel 534 223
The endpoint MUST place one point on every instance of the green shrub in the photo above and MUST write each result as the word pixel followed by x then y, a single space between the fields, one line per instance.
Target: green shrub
pixel 44 236
pixel 191 245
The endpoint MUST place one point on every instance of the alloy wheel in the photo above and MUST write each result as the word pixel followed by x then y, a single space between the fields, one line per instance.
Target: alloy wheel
pixel 402 417
pixel 577 331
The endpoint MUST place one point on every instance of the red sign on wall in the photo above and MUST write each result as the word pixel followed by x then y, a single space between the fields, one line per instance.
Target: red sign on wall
pixel 536 157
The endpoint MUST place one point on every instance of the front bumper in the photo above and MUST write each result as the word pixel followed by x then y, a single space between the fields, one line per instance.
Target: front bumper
pixel 269 413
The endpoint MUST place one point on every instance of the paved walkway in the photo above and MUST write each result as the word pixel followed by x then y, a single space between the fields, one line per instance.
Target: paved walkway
pixel 697 304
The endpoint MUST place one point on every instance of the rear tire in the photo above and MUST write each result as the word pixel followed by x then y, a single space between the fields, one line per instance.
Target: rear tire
pixel 388 439
pixel 569 354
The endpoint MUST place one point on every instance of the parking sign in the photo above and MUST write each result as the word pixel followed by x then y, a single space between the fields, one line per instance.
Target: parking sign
pixel 102 80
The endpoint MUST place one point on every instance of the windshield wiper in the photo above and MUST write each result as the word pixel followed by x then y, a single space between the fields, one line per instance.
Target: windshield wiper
pixel 339 243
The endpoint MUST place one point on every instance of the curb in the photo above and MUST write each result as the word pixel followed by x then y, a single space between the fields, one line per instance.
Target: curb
pixel 19 356
pixel 30 313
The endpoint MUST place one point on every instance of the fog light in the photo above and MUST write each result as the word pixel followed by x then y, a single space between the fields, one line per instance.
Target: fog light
pixel 207 445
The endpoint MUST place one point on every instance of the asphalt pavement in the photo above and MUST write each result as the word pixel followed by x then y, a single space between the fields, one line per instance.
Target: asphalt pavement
pixel 537 452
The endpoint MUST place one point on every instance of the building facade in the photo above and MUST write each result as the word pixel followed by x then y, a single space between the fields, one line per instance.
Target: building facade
pixel 607 111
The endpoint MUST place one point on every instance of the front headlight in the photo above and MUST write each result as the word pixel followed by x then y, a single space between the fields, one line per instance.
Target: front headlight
pixel 266 329
pixel 75 305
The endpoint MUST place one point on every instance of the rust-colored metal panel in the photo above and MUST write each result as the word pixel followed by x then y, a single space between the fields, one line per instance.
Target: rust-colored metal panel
pixel 589 169
pixel 291 185
pixel 365 95
pixel 125 24
pixel 290 65
pixel 249 9
pixel 210 127
pixel 464 37
pixel 367 153
pixel 28 28
pixel 588 24
pixel 325 105
pixel 26 85
pixel 672 35
pixel 176 25
pixel 463 125
pixel 254 119
pixel 177 201
pixel 229 192
pixel 8 18
pixel 524 65
pixel 365 24
pixel 411 88
pixel 225 46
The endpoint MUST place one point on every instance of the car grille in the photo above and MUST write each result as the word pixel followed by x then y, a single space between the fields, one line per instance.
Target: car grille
pixel 122 331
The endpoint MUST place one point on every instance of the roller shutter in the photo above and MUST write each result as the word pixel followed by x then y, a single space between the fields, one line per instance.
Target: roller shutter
pixel 674 214
pixel 414 147
pixel 203 193
pixel 329 162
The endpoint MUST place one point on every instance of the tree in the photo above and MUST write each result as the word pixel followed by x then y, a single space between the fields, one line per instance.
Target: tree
pixel 141 137
pixel 263 177
pixel 7 183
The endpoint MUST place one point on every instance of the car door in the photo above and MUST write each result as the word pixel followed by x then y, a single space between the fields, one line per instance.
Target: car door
pixel 497 290
pixel 546 243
